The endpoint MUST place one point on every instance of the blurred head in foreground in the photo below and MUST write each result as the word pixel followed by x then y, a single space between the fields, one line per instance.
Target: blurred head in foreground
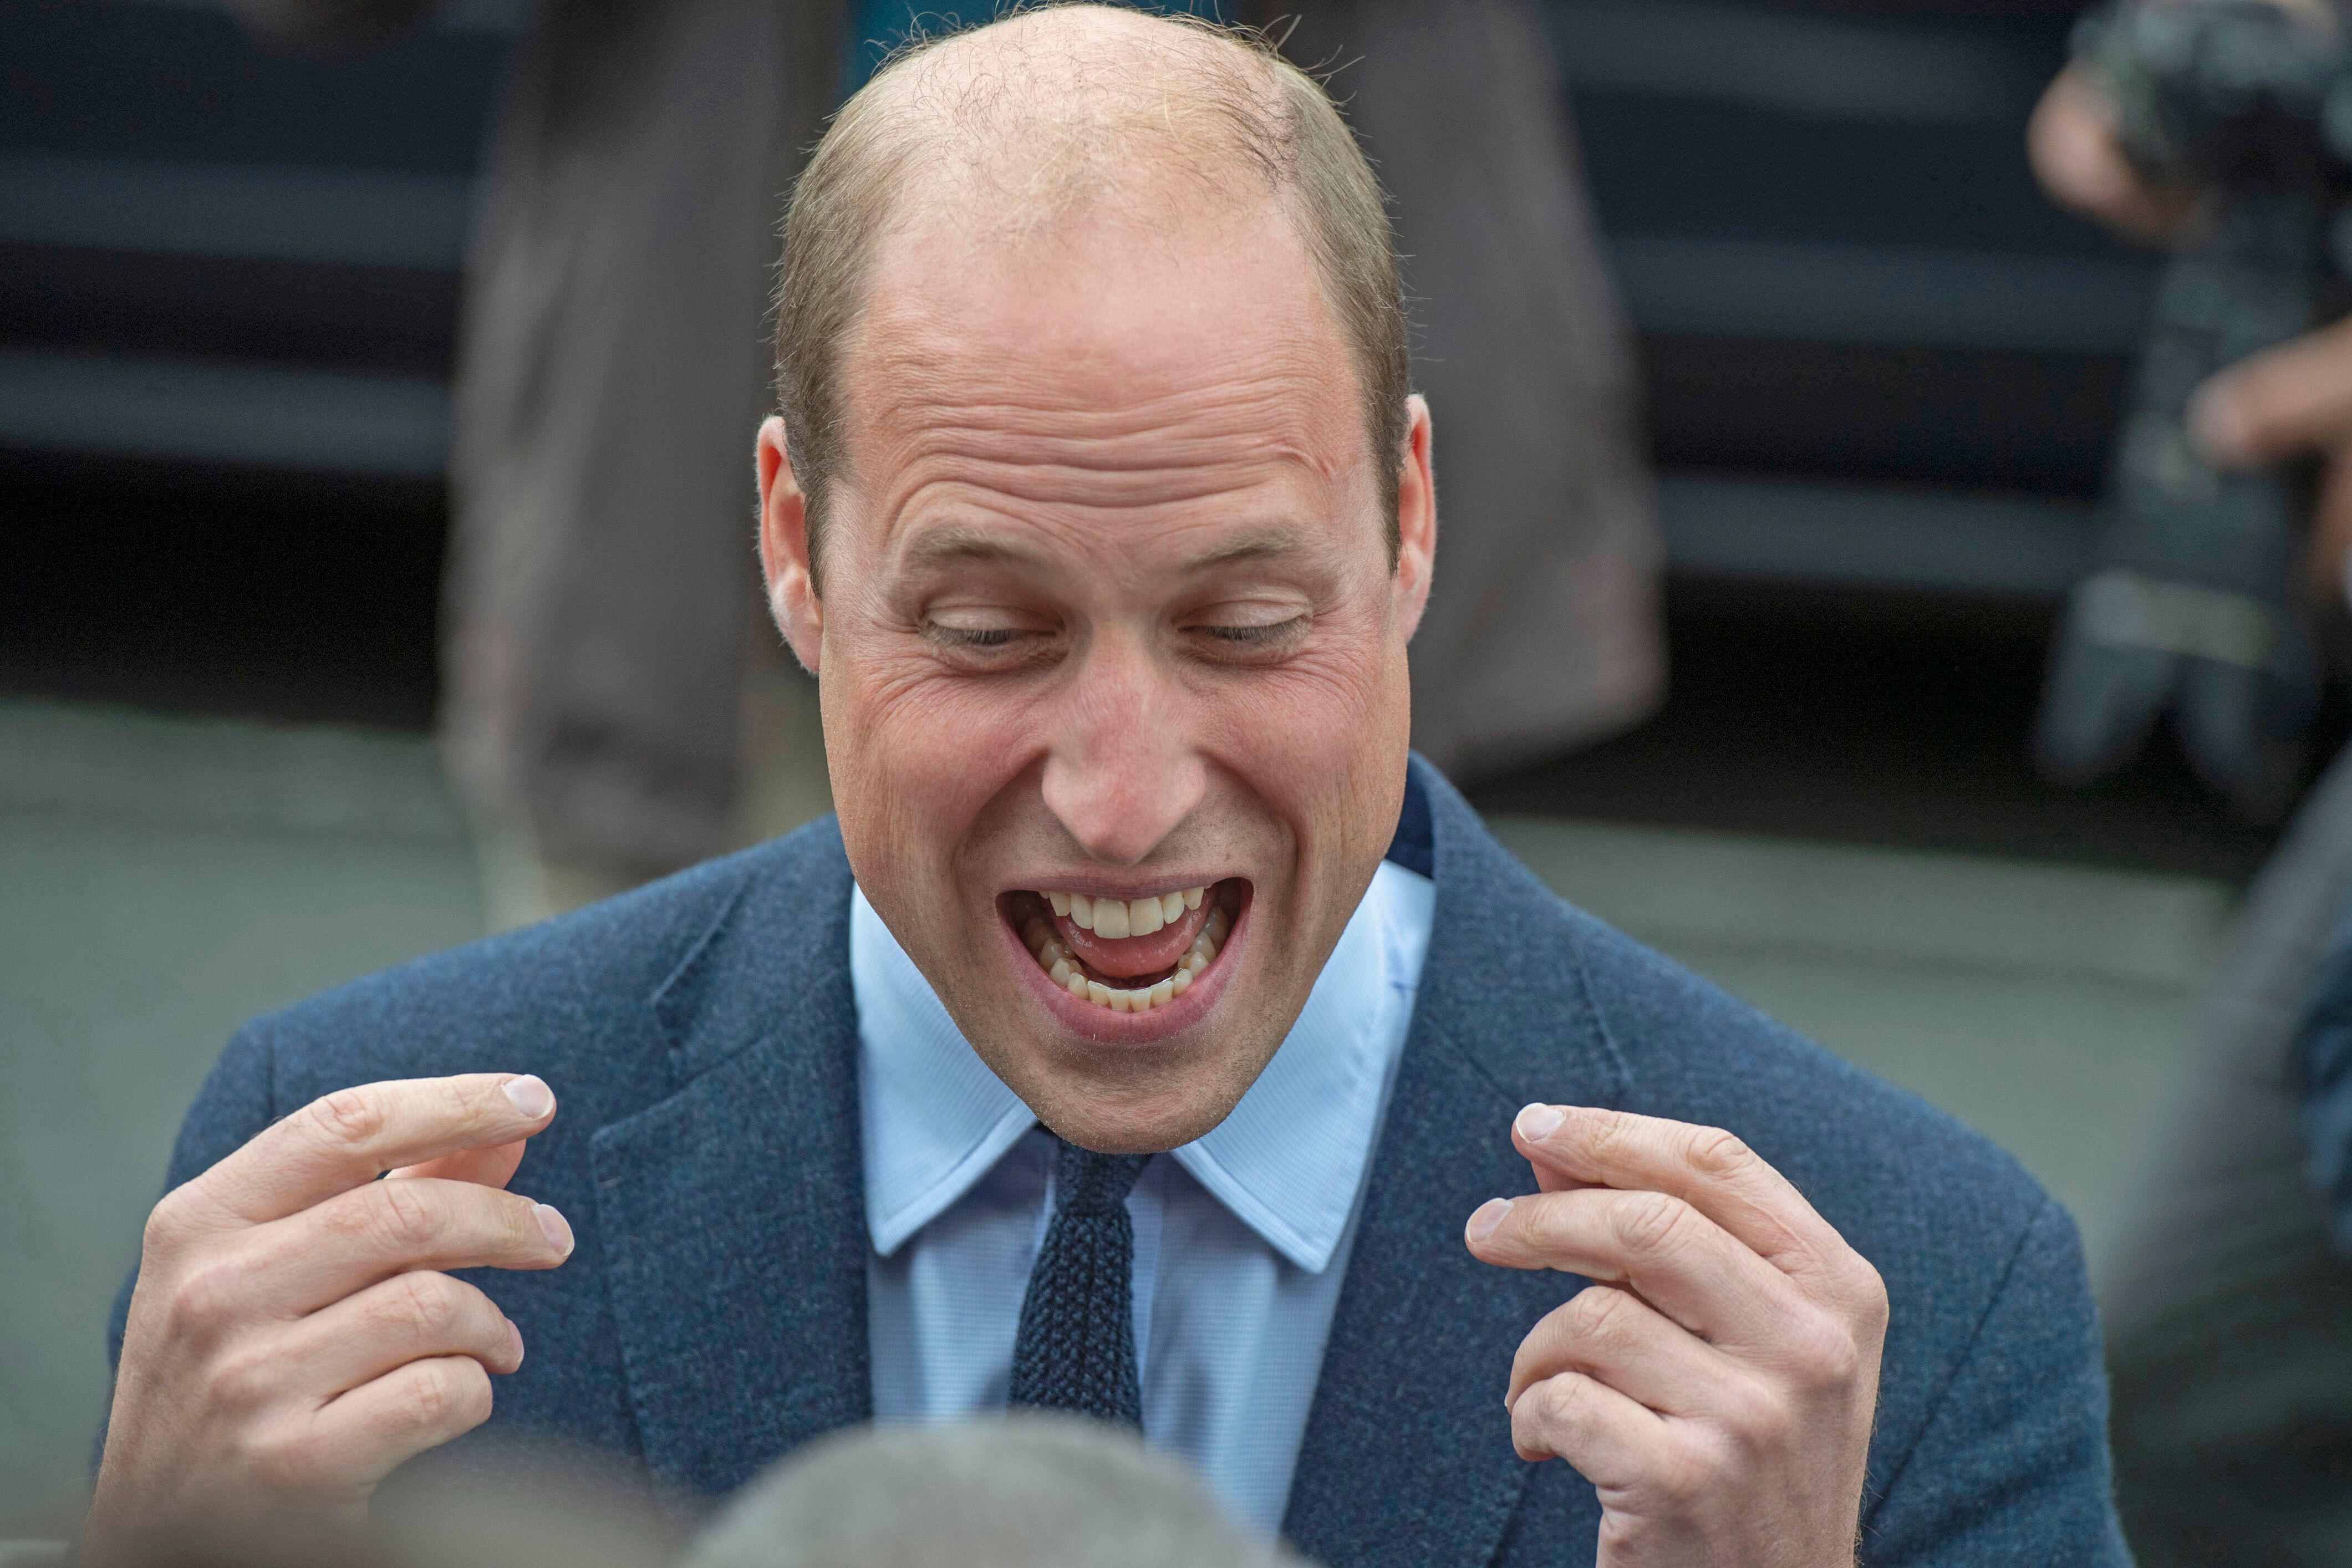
pixel 1099 505
pixel 1028 1491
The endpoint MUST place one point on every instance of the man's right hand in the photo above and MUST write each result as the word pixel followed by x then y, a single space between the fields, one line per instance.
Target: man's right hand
pixel 293 1339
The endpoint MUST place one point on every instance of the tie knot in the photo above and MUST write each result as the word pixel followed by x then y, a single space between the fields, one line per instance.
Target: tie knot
pixel 1085 1183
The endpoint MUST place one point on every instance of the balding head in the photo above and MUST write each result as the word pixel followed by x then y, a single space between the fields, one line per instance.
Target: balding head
pixel 1060 115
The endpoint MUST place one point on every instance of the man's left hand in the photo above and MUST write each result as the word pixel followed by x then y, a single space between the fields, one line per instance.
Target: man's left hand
pixel 1716 1381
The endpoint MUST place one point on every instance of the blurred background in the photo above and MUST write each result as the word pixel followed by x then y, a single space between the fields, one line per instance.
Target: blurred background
pixel 1883 379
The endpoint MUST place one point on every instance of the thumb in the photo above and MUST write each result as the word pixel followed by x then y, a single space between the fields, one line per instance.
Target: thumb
pixel 2278 402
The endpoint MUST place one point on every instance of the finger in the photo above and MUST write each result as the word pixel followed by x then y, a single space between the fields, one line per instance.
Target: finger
pixel 491 1167
pixel 1679 1260
pixel 2280 402
pixel 348 1139
pixel 2072 144
pixel 1615 1336
pixel 1611 1440
pixel 300 1264
pixel 1705 1167
pixel 377 1428
pixel 416 1316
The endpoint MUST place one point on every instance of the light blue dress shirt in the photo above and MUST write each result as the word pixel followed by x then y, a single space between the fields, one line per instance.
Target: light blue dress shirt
pixel 1241 1238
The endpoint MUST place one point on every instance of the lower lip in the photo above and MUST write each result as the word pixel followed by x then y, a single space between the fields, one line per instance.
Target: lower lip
pixel 1101 1024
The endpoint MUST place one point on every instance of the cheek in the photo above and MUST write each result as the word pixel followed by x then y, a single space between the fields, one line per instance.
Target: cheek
pixel 924 750
pixel 1323 740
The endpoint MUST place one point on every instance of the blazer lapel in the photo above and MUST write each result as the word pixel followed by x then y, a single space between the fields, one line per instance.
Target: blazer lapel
pixel 734 1209
pixel 1407 1459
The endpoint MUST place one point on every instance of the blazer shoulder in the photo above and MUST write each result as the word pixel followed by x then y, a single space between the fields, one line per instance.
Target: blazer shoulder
pixel 574 995
pixel 1534 973
pixel 1845 1135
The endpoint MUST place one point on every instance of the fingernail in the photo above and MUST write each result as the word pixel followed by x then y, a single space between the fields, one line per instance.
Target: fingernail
pixel 1490 1214
pixel 517 1334
pixel 1538 1121
pixel 558 1228
pixel 531 1096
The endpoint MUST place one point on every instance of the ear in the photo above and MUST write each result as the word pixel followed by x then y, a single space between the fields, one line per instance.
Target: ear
pixel 784 548
pixel 1416 518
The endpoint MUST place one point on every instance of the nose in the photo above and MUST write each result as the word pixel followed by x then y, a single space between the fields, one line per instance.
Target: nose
pixel 1123 771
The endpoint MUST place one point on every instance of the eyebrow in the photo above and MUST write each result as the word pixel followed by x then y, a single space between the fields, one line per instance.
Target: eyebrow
pixel 951 542
pixel 1264 545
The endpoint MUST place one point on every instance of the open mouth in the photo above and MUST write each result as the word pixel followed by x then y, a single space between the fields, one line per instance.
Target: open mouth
pixel 1127 955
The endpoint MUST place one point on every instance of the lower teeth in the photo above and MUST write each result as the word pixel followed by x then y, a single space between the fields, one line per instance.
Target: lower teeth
pixel 1062 967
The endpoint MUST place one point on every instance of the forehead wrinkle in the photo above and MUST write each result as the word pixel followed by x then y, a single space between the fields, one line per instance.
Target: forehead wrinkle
pixel 1141 452
pixel 1093 331
pixel 1175 439
pixel 1025 490
pixel 926 368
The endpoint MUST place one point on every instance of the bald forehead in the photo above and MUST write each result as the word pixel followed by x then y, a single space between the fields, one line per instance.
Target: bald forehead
pixel 1124 368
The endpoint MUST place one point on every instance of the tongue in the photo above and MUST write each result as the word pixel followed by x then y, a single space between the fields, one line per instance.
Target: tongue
pixel 1127 957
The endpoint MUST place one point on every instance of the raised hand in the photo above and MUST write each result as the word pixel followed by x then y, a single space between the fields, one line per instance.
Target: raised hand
pixel 1716 1382
pixel 292 1338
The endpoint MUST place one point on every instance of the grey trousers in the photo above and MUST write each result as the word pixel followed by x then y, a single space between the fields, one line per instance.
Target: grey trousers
pixel 2229 1318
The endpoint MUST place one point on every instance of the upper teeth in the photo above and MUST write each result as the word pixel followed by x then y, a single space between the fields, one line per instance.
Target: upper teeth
pixel 1065 968
pixel 1116 918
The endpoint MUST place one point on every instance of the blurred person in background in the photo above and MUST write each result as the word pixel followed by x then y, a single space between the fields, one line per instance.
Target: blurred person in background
pixel 1034 1492
pixel 2230 1315
pixel 1152 1036
pixel 610 715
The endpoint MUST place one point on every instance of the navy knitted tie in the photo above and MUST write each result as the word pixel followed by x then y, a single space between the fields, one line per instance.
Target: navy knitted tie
pixel 1076 1347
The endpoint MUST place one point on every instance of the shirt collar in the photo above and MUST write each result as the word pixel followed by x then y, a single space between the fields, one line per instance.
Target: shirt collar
pixel 1287 1162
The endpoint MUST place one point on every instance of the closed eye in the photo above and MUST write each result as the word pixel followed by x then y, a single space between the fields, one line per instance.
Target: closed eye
pixel 971 636
pixel 1257 636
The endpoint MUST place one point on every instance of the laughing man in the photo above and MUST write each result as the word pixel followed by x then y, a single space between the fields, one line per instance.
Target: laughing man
pixel 1150 1036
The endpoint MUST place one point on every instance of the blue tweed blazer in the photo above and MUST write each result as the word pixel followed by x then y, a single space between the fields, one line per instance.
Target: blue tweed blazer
pixel 701 1034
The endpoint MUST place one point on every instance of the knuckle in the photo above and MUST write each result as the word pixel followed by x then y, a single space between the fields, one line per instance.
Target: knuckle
pixel 1825 1351
pixel 205 1297
pixel 1561 1404
pixel 1599 1313
pixel 462 1101
pixel 1547 1225
pixel 243 1378
pixel 1610 1136
pixel 451 1395
pixel 1539 1424
pixel 348 1119
pixel 426 1305
pixel 1870 1296
pixel 400 1214
pixel 519 1218
pixel 1715 1152
pixel 1651 1223
pixel 1756 1417
pixel 167 1222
